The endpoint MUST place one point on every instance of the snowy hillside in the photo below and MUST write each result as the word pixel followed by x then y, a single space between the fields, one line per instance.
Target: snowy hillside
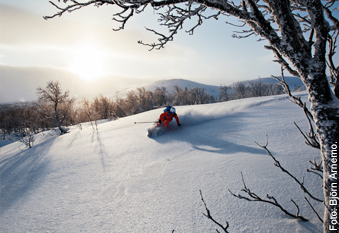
pixel 117 179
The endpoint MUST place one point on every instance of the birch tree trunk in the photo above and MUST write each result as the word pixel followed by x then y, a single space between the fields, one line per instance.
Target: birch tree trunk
pixel 324 108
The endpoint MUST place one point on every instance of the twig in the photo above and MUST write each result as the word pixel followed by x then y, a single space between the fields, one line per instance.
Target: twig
pixel 282 61
pixel 311 137
pixel 208 215
pixel 271 200
pixel 314 210
pixel 277 164
pixel 316 166
pixel 69 8
pixel 308 170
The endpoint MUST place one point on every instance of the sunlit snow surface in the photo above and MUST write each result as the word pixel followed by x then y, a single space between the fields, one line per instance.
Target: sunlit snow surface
pixel 118 179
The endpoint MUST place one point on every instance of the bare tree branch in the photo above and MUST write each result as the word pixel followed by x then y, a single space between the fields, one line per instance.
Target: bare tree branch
pixel 311 137
pixel 69 8
pixel 316 166
pixel 209 216
pixel 277 164
pixel 308 170
pixel 282 61
pixel 314 210
pixel 175 23
pixel 270 200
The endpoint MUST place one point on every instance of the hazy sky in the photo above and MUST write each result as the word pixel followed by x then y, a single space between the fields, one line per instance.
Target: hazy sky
pixel 84 43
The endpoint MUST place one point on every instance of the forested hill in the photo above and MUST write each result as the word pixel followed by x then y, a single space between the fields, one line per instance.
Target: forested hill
pixel 213 90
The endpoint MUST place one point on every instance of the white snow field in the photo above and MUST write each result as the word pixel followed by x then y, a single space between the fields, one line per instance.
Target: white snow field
pixel 117 179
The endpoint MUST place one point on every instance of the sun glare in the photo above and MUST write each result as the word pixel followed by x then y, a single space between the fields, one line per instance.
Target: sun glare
pixel 88 64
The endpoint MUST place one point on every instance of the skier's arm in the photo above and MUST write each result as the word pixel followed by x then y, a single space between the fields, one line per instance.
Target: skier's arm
pixel 161 117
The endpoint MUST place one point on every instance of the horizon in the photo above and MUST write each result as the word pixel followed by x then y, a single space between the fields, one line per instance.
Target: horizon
pixel 83 45
pixel 82 90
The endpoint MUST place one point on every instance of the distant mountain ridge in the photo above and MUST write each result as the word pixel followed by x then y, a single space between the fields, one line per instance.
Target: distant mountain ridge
pixel 182 83
pixel 293 82
pixel 169 85
pixel 18 84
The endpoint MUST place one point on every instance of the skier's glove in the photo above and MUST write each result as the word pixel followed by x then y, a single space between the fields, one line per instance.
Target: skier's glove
pixel 159 121
pixel 179 124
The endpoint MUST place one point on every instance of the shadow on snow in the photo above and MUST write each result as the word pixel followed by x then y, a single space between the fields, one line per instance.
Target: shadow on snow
pixel 22 172
pixel 210 135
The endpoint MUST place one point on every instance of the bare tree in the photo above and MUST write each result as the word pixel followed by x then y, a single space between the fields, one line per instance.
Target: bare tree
pixel 118 107
pixel 132 103
pixel 146 99
pixel 160 96
pixel 27 137
pixel 301 34
pixel 103 107
pixel 240 91
pixel 258 88
pixel 10 121
pixel 223 93
pixel 21 122
pixel 277 89
pixel 177 95
pixel 31 125
pixel 54 104
pixel 181 96
pixel 198 95
pixel 90 113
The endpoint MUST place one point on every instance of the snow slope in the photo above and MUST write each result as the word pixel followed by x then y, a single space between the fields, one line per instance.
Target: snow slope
pixel 117 179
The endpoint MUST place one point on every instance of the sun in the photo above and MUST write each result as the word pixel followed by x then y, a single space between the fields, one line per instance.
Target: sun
pixel 88 64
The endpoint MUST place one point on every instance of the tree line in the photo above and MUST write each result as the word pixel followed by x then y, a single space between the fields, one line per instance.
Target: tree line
pixel 55 108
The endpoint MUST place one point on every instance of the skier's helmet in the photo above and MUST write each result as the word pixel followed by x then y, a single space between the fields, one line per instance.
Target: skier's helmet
pixel 172 110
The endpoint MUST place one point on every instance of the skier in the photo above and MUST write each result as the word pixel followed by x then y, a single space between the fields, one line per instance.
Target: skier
pixel 168 115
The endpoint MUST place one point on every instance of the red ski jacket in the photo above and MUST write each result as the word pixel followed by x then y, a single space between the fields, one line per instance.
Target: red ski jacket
pixel 167 116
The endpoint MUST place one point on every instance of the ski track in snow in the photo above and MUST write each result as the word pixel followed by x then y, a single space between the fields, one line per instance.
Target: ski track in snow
pixel 117 179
